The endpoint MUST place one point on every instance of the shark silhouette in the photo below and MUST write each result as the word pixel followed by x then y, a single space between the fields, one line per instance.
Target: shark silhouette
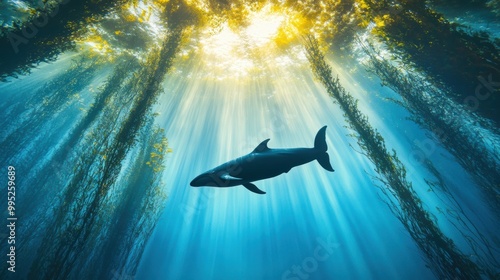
pixel 263 163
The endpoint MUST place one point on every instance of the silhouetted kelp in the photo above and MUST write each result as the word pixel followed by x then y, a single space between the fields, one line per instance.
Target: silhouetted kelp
pixel 466 4
pixel 43 105
pixel 81 217
pixel 55 171
pixel 335 20
pixel 443 257
pixel 78 220
pixel 86 231
pixel 474 142
pixel 122 255
pixel 78 217
pixel 494 5
pixel 67 150
pixel 42 120
pixel 484 250
pixel 467 63
pixel 126 66
pixel 49 31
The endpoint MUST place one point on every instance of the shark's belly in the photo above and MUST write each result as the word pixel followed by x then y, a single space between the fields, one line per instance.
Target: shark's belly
pixel 252 168
pixel 256 172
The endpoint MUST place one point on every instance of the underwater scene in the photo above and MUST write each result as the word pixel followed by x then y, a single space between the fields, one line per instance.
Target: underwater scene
pixel 235 140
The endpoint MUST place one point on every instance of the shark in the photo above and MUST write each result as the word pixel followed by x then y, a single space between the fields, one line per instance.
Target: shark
pixel 264 163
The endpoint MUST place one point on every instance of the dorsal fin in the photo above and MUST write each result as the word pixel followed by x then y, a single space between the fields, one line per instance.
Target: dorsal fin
pixel 262 147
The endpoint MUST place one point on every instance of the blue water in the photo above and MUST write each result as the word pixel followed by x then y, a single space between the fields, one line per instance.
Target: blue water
pixel 234 234
pixel 215 106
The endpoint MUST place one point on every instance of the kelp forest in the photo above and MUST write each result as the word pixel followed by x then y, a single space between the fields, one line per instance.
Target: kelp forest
pixel 111 108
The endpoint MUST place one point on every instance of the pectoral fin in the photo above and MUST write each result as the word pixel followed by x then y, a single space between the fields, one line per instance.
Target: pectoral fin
pixel 251 187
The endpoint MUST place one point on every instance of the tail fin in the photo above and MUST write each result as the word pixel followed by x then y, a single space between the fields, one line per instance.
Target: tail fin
pixel 324 161
pixel 320 144
pixel 319 141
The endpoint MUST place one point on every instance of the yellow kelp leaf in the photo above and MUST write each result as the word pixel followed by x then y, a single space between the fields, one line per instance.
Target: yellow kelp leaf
pixel 379 21
pixel 130 18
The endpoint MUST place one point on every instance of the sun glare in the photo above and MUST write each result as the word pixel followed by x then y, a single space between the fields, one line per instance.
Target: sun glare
pixel 223 53
pixel 263 26
pixel 243 50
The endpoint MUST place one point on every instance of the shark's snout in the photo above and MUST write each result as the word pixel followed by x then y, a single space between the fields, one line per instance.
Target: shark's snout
pixel 197 182
pixel 203 180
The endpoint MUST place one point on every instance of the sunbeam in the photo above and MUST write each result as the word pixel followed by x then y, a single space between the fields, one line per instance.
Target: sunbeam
pixel 343 139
